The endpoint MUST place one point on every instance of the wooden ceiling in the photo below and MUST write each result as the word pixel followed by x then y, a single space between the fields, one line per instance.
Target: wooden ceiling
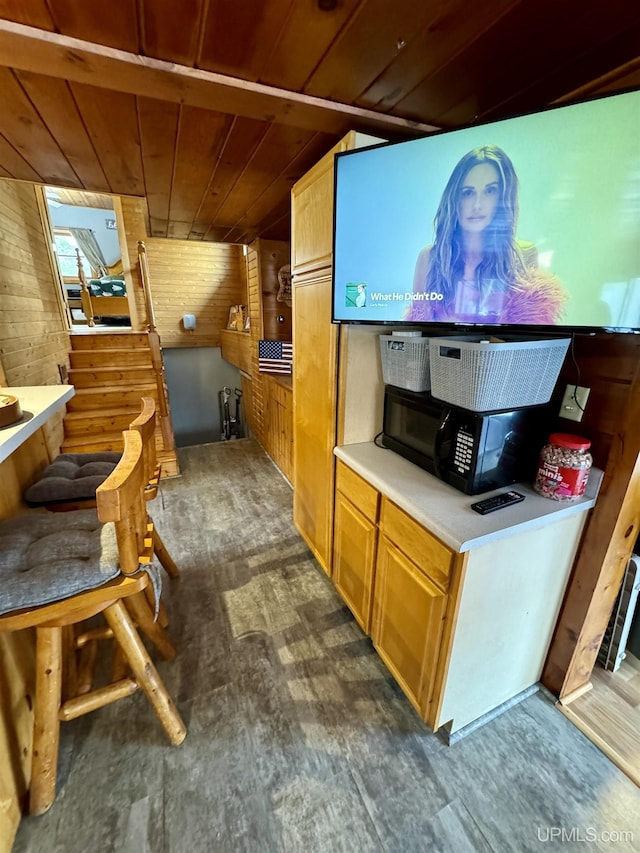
pixel 79 198
pixel 212 109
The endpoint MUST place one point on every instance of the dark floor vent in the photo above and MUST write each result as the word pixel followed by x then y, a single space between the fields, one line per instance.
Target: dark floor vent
pixel 612 650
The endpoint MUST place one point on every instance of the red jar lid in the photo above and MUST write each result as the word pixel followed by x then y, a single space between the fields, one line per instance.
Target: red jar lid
pixel 573 442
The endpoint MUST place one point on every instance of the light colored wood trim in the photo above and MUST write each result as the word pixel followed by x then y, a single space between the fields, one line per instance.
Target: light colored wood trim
pixel 432 707
pixel 576 694
pixel 613 754
pixel 47 231
pixel 54 55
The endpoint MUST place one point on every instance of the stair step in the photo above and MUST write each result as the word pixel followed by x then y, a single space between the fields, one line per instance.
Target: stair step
pixel 88 422
pixel 81 359
pixel 92 377
pixel 93 444
pixel 100 441
pixel 109 340
pixel 169 461
pixel 104 400
pixel 111 371
pixel 121 411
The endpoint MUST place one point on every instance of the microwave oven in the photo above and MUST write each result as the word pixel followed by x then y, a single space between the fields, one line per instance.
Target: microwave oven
pixel 473 451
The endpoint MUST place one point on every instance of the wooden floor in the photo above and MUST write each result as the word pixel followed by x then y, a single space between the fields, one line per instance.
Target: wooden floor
pixel 299 740
pixel 609 714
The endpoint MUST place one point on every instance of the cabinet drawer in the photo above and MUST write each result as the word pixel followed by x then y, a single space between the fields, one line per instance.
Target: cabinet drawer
pixel 422 547
pixel 360 493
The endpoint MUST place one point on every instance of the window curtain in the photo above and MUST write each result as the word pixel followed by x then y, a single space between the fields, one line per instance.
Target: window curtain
pixel 86 240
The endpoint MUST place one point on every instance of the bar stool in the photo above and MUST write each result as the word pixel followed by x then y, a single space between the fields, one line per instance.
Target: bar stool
pixel 71 480
pixel 58 571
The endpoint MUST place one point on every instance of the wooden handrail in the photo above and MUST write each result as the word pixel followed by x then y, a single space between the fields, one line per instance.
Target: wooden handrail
pixel 156 351
pixel 146 286
pixel 85 296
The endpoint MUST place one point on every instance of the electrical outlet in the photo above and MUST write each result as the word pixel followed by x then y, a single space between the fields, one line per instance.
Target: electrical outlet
pixel 574 402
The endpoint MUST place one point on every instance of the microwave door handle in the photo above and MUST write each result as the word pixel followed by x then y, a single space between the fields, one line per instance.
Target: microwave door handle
pixel 441 435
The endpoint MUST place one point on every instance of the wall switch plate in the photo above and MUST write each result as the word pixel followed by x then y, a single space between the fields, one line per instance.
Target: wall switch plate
pixel 574 402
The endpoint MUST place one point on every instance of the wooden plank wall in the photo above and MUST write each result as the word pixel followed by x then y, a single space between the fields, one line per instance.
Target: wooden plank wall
pixel 605 363
pixel 274 254
pixel 264 259
pixel 187 277
pixel 33 341
pixel 33 337
pixel 254 287
pixel 608 365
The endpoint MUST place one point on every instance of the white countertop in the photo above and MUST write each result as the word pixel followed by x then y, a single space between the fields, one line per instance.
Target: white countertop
pixel 445 511
pixel 38 403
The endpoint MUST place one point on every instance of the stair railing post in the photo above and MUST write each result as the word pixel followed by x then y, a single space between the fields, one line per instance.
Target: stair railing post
pixel 166 426
pixel 146 286
pixel 85 295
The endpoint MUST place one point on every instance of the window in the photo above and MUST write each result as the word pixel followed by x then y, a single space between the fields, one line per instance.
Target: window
pixel 66 247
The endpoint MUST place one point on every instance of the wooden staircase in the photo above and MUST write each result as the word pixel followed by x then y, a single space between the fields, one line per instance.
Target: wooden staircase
pixel 111 371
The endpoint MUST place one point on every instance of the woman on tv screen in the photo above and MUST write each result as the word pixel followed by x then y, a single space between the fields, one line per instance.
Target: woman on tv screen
pixel 476 270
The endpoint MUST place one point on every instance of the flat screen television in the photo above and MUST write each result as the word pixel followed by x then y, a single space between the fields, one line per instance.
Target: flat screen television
pixel 532 222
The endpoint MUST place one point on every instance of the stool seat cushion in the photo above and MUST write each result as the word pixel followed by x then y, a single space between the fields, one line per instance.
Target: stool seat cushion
pixel 72 477
pixel 46 557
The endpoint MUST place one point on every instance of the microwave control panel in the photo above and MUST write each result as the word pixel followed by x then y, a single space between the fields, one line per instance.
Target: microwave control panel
pixel 463 451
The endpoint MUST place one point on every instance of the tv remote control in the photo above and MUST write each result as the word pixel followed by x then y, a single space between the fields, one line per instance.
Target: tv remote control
pixel 497 502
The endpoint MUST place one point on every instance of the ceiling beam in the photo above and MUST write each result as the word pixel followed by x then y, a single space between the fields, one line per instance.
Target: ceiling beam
pixel 54 55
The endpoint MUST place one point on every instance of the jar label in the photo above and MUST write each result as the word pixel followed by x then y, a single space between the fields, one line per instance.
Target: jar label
pixel 555 481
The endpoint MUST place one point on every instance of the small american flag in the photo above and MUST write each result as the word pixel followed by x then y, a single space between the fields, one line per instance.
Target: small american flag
pixel 275 356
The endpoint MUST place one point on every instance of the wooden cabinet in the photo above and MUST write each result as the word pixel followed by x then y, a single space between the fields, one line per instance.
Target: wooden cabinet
pixel 312 213
pixel 407 627
pixel 315 348
pixel 315 353
pixel 278 434
pixel 410 604
pixel 355 538
pixel 314 421
pixel 463 609
pixel 395 580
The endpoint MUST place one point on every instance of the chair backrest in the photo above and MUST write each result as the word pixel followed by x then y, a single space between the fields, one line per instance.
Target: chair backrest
pixel 120 499
pixel 145 424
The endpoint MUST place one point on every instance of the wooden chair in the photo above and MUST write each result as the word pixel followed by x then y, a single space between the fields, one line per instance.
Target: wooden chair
pixel 70 482
pixel 58 571
pixel 145 424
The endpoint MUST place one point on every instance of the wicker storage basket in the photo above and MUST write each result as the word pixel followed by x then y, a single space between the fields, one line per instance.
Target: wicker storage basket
pixel 471 373
pixel 405 361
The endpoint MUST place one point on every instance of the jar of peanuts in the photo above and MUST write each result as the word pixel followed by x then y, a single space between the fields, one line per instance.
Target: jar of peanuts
pixel 563 469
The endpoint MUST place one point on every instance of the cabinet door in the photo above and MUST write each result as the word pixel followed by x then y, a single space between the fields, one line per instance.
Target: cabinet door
pixel 314 425
pixel 278 418
pixel 354 551
pixel 408 618
pixel 312 213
